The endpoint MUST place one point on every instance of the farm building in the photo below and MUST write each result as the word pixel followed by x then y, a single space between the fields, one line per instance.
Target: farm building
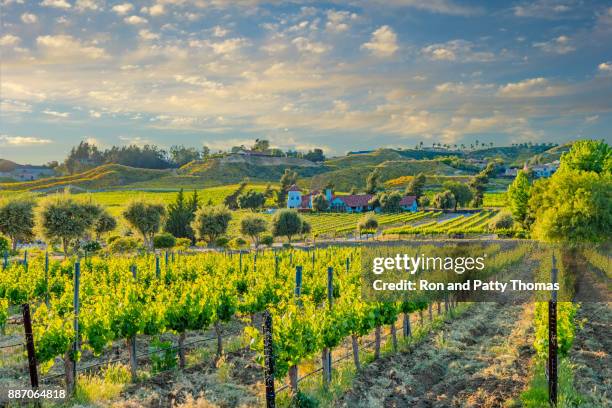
pixel 352 203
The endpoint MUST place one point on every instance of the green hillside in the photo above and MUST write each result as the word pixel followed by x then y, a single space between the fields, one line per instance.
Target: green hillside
pixel 550 155
pixel 346 178
pixel 511 155
pixel 103 177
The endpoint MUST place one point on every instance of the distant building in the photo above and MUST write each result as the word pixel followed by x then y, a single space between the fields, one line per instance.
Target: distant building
pixel 28 173
pixel 353 203
pixel 545 170
pixel 511 172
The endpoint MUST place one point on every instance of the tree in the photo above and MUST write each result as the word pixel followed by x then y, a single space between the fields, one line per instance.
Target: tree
pixel 253 226
pixel 181 155
pixel 261 145
pixel 180 215
pixel 388 202
pixel 367 223
pixel 518 198
pixel 320 203
pixel 373 182
pixel 288 179
pixel 416 185
pixel 286 223
pixel 444 200
pixel 105 223
pixel 252 200
pixel 315 155
pixel 588 155
pixel 211 222
pixel 164 240
pixel 231 201
pixel 462 193
pixel 17 220
pixel 67 220
pixel 306 228
pixel 573 206
pixel 424 201
pixel 146 218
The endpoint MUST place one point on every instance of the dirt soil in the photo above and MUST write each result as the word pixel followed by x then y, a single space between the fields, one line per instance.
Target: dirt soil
pixel 480 360
pixel 591 353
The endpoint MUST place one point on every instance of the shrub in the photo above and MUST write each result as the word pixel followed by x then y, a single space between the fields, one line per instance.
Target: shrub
pixel 220 242
pixel 123 245
pixel 164 240
pixel 4 244
pixel 112 238
pixel 502 222
pixel 91 246
pixel 183 243
pixel 237 243
pixel 267 240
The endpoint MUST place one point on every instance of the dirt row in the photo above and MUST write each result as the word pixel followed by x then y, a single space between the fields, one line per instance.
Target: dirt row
pixel 479 360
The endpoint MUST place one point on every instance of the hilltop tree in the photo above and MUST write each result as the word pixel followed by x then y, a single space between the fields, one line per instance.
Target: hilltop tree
pixel 444 200
pixel 286 223
pixel 67 220
pixel 373 182
pixel 17 220
pixel 320 203
pixel 231 201
pixel 518 198
pixel 261 145
pixel 315 155
pixel 253 226
pixel 105 223
pixel 462 193
pixel 146 218
pixel 416 185
pixel 252 200
pixel 181 155
pixel 211 222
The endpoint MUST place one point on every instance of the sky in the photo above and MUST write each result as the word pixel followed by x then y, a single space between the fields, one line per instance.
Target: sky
pixel 339 75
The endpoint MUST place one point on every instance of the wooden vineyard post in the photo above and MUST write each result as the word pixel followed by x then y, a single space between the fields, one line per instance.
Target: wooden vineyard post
pixel 552 339
pixel 47 279
pixel 5 262
pixel 75 345
pixel 298 281
pixel 269 360
pixel 326 355
pixel 157 267
pixel 29 337
pixel 240 270
pixel 275 265
pixel 348 265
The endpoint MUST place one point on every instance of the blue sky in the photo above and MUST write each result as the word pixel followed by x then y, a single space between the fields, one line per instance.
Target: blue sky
pixel 341 75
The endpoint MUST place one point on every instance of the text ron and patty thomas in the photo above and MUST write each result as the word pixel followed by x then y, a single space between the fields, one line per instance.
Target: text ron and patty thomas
pixel 469 285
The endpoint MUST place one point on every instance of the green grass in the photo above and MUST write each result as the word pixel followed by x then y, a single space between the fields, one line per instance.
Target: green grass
pixel 536 395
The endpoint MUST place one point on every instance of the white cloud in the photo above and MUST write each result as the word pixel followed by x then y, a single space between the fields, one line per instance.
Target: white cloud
pixel 84 5
pixel 219 31
pixel 95 114
pixel 305 45
pixel 14 106
pixel 135 20
pixel 29 18
pixel 433 6
pixel 9 39
pixel 22 140
pixel 56 114
pixel 135 140
pixel 228 46
pixel 383 42
pixel 63 4
pixel 450 87
pixel 547 9
pixel 337 21
pixel 65 46
pixel 533 87
pixel 123 9
pixel 157 10
pixel 605 67
pixel 559 45
pixel 456 50
pixel 148 35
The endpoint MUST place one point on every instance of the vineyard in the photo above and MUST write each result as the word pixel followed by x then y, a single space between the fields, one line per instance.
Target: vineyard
pixel 472 224
pixel 313 297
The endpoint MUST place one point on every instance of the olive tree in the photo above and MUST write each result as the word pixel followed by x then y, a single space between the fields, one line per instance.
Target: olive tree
pixel 211 222
pixel 105 223
pixel 444 200
pixel 67 220
pixel 146 218
pixel 286 223
pixel 17 220
pixel 253 226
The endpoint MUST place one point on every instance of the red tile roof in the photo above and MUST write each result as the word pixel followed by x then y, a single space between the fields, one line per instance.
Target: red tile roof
pixel 407 201
pixel 294 188
pixel 356 200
